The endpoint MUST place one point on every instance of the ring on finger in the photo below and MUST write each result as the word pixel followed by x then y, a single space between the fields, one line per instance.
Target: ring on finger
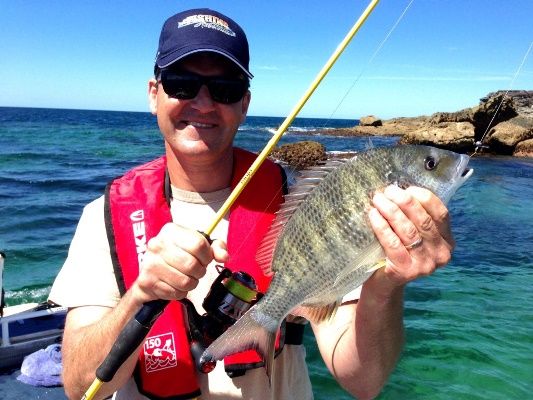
pixel 415 244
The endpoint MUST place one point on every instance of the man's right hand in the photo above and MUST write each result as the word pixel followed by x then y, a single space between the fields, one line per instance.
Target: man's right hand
pixel 174 262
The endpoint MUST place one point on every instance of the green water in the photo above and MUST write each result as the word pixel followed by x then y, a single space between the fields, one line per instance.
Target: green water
pixel 469 327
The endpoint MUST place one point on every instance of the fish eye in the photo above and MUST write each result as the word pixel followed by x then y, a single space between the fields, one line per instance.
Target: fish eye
pixel 430 163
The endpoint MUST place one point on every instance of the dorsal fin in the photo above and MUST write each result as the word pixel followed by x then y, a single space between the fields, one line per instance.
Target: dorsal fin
pixel 305 183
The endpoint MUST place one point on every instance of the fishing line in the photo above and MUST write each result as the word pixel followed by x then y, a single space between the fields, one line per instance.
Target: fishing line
pixel 376 52
pixel 479 144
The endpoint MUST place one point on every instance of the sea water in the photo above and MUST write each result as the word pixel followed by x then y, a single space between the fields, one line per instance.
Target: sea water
pixel 469 327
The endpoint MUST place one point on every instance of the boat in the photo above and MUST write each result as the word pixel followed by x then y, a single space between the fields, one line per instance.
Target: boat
pixel 27 328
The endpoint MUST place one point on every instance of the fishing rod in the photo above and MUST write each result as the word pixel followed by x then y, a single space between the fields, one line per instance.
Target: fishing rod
pixel 137 328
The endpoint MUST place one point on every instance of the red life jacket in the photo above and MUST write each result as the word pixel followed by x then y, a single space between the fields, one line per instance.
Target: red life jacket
pixel 165 369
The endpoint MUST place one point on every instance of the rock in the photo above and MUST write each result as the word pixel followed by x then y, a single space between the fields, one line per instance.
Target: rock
pixel 392 127
pixel 524 149
pixel 504 137
pixel 456 136
pixel 492 111
pixel 360 131
pixel 458 131
pixel 509 114
pixel 523 101
pixel 370 120
pixel 300 155
pixel 459 116
pixel 521 98
pixel 401 126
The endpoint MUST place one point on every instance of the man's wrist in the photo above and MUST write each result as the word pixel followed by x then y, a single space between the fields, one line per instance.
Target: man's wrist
pixel 381 290
pixel 135 297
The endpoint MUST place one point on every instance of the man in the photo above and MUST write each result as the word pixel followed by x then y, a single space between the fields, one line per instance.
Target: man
pixel 200 96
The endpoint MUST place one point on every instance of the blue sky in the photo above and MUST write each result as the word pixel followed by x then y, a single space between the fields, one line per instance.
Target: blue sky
pixel 443 56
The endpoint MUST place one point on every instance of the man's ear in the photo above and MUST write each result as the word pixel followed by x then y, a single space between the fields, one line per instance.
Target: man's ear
pixel 245 104
pixel 153 86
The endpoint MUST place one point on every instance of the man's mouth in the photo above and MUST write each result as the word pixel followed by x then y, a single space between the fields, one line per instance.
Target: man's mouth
pixel 200 125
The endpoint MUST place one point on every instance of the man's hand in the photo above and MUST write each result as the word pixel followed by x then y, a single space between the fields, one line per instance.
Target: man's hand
pixel 413 227
pixel 174 262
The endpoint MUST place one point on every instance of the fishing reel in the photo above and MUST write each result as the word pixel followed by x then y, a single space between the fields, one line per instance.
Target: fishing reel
pixel 230 296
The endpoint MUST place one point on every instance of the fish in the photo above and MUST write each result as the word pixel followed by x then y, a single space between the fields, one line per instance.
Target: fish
pixel 321 246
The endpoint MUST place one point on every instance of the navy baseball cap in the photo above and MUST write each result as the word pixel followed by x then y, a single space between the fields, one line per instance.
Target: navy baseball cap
pixel 200 30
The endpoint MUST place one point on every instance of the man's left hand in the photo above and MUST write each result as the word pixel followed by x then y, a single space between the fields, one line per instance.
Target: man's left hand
pixel 413 227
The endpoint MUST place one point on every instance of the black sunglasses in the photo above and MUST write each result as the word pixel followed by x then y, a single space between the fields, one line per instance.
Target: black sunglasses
pixel 186 85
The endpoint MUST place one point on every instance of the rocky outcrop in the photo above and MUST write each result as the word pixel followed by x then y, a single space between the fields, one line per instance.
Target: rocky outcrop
pixel 392 127
pixel 511 131
pixel 522 99
pixel 461 130
pixel 503 119
pixel 456 136
pixel 504 137
pixel 300 155
pixel 370 120
pixel 524 148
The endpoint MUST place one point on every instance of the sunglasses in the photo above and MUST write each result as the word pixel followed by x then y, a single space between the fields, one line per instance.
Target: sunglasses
pixel 186 85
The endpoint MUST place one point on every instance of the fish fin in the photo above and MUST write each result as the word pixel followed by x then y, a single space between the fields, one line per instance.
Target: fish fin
pixel 320 313
pixel 269 357
pixel 265 251
pixel 378 265
pixel 253 331
pixel 317 313
pixel 305 183
pixel 369 259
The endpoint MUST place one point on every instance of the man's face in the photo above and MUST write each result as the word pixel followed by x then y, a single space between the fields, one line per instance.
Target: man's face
pixel 199 127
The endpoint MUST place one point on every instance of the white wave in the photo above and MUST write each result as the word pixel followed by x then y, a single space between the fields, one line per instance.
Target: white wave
pixel 337 153
pixel 301 129
pixel 27 294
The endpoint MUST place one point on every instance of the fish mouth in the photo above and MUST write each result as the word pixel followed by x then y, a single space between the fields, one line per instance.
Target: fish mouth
pixel 467 173
pixel 461 176
pixel 463 167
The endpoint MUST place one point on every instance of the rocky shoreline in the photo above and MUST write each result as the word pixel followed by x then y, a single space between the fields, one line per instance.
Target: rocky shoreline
pixel 509 115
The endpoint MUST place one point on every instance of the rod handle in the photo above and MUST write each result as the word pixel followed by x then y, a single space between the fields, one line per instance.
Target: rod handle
pixel 131 336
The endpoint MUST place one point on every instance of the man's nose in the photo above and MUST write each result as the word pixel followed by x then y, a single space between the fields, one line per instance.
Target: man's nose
pixel 203 101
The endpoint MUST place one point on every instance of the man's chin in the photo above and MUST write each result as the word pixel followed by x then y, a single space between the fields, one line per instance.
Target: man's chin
pixel 198 148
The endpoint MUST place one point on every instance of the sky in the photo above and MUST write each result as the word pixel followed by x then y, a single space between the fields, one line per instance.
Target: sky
pixel 444 55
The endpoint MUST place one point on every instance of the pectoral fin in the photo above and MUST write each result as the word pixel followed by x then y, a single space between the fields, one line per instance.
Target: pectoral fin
pixel 378 265
pixel 367 261
pixel 318 313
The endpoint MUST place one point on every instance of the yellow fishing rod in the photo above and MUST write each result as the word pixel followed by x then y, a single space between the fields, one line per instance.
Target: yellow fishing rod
pixel 136 330
pixel 290 118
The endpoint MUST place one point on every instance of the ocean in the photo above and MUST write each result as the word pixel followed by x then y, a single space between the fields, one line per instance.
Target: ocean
pixel 469 327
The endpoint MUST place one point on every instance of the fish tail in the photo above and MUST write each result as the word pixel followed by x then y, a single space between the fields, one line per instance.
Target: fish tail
pixel 253 331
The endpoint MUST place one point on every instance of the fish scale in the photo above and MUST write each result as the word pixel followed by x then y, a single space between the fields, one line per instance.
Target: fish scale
pixel 321 245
